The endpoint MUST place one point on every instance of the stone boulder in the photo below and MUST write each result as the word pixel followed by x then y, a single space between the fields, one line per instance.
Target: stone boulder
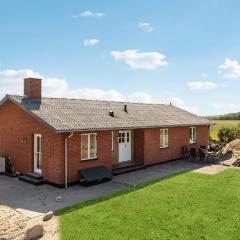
pixel 47 216
pixel 34 230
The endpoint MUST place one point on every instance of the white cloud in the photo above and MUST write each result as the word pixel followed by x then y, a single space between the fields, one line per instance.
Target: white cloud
pixel 178 102
pixel 227 106
pixel 11 82
pixel 140 60
pixel 223 108
pixel 230 69
pixel 95 94
pixel 140 97
pixel 145 26
pixel 203 85
pixel 54 87
pixel 90 42
pixel 88 13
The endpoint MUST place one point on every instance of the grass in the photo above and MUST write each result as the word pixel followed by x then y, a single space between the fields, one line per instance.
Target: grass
pixel 214 129
pixel 184 206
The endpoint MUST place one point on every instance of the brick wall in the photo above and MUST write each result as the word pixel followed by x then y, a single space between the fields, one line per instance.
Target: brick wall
pixel 104 154
pixel 115 152
pixel 16 139
pixel 139 145
pixel 178 136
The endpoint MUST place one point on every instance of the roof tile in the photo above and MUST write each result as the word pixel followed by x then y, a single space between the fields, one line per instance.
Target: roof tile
pixel 82 115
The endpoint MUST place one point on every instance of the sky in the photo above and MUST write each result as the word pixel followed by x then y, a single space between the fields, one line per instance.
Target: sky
pixel 184 52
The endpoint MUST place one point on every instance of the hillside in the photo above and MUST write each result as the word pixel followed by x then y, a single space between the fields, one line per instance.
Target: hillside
pixel 228 116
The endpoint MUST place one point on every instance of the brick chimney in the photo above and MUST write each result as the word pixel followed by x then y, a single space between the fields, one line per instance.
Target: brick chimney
pixel 33 88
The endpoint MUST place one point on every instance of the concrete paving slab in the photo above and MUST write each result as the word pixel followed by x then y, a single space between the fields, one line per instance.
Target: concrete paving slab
pixel 156 172
pixel 18 194
pixel 41 199
pixel 140 176
pixel 212 169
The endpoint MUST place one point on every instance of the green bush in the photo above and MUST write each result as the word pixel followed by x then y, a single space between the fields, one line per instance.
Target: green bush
pixel 227 135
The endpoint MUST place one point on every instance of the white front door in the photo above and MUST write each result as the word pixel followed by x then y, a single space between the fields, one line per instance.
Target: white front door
pixel 124 145
pixel 37 153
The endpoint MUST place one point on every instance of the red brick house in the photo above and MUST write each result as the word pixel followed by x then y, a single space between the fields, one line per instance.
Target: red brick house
pixel 57 136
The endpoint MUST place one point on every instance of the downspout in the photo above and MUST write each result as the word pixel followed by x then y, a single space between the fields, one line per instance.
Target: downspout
pixel 66 161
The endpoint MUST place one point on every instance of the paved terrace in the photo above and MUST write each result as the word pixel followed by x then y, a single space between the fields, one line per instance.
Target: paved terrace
pixel 40 199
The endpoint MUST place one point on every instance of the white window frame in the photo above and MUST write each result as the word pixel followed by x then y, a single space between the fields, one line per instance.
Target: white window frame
pixel 112 141
pixel 36 169
pixel 163 132
pixel 89 158
pixel 193 135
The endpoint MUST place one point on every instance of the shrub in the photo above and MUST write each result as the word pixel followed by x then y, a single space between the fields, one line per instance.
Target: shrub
pixel 227 135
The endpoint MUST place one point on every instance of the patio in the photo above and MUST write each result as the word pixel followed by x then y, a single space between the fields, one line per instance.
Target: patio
pixel 22 203
pixel 32 199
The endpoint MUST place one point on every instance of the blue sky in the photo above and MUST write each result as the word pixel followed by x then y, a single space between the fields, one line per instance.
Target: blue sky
pixel 184 52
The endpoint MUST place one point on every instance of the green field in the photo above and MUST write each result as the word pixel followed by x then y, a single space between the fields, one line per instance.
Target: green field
pixel 184 206
pixel 214 129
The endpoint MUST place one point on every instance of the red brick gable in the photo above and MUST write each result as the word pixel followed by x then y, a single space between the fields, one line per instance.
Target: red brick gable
pixel 16 139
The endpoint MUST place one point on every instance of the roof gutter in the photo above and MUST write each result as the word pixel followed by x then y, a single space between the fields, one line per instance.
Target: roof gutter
pixel 66 160
pixel 131 128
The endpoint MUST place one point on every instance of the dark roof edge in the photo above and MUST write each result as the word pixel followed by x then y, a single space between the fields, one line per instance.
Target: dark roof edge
pixel 8 97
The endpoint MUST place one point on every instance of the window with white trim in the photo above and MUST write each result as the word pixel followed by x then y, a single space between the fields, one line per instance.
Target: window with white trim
pixel 163 138
pixel 112 141
pixel 193 135
pixel 88 146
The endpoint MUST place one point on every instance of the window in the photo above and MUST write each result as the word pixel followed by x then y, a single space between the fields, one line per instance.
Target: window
pixel 124 137
pixel 128 136
pixel 112 141
pixel 163 138
pixel 192 135
pixel 88 146
pixel 121 137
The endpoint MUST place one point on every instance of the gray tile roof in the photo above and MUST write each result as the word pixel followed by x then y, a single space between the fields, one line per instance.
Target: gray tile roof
pixel 66 115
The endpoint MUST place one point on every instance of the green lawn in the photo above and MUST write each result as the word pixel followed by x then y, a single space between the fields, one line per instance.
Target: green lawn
pixel 184 206
pixel 214 129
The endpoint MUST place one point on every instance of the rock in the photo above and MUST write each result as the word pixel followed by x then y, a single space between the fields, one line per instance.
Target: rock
pixel 59 199
pixel 47 216
pixel 34 231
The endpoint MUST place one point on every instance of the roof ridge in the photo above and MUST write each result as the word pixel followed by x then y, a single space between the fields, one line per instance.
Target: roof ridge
pixel 97 100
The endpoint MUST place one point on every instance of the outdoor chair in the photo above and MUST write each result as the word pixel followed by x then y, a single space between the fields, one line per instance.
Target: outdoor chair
pixel 194 155
pixel 185 152
pixel 203 154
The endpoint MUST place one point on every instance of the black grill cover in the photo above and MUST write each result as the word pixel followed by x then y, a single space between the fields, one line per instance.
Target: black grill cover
pixel 94 175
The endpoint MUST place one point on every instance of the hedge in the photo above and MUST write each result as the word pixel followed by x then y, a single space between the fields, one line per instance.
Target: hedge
pixel 227 135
